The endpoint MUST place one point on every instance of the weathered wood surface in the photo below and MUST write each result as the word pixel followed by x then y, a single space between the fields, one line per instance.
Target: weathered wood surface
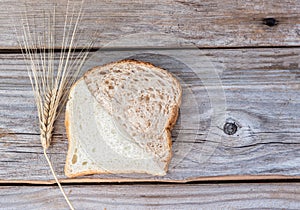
pixel 261 89
pixel 191 196
pixel 206 24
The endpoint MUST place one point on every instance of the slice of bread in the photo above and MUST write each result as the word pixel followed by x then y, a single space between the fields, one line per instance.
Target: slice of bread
pixel 119 119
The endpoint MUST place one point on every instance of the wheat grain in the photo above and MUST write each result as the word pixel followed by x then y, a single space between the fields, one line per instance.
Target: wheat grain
pixel 48 117
pixel 51 82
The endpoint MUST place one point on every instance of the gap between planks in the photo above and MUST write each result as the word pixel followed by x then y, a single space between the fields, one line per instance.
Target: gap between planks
pixel 203 180
pixel 94 49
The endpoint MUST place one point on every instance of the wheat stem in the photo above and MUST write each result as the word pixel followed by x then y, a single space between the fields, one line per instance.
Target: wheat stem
pixel 57 181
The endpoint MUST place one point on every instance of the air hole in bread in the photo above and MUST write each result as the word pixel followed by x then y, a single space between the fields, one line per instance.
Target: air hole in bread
pixel 147 98
pixel 161 83
pixel 74 159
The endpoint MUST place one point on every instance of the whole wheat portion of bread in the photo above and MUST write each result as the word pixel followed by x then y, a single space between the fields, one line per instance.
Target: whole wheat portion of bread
pixel 129 108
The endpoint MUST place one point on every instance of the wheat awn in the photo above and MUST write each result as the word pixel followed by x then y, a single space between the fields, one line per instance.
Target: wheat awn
pixel 50 80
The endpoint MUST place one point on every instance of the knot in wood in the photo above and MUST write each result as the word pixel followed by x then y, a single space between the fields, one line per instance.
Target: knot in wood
pixel 230 128
pixel 270 22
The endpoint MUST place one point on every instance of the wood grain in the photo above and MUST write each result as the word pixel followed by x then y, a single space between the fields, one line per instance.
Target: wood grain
pixel 190 196
pixel 261 89
pixel 206 24
pixel 239 81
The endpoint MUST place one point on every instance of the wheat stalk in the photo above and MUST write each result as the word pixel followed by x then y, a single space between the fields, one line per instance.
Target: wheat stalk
pixel 50 81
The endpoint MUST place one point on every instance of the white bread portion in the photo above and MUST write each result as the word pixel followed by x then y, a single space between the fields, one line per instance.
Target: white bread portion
pixel 144 100
pixel 97 144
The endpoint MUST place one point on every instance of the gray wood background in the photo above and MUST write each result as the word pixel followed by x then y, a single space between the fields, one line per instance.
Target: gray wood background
pixel 257 66
pixel 170 196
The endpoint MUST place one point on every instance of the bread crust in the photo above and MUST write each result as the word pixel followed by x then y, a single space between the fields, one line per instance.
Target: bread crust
pixel 67 125
pixel 168 127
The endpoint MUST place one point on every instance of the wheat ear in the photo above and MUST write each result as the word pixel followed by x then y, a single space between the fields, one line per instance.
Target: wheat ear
pixel 51 82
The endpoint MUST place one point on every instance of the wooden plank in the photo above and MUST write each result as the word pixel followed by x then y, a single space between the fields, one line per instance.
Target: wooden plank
pixel 191 196
pixel 261 87
pixel 206 24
